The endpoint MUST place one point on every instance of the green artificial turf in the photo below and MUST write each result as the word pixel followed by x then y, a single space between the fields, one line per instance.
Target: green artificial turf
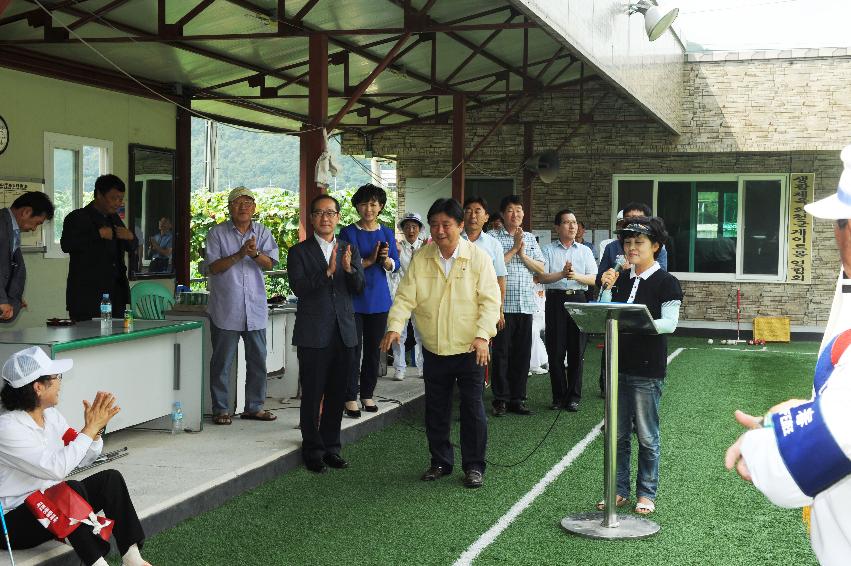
pixel 378 512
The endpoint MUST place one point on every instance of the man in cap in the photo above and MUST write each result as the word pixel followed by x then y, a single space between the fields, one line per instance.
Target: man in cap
pixel 27 213
pixel 97 240
pixel 238 251
pixel 799 453
pixel 411 225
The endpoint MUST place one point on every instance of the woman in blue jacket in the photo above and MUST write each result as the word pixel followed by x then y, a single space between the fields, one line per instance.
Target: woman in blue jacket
pixel 377 247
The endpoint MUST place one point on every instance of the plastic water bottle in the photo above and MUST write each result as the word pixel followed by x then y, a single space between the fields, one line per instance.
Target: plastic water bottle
pixel 605 296
pixel 105 313
pixel 177 418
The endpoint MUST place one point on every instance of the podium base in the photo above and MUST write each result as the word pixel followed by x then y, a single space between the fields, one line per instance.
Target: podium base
pixel 590 525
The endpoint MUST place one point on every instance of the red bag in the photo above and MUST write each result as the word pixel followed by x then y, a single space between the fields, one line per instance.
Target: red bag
pixel 61 510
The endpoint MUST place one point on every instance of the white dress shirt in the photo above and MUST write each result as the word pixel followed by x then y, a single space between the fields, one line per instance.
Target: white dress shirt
pixel 326 247
pixel 35 458
pixel 448 262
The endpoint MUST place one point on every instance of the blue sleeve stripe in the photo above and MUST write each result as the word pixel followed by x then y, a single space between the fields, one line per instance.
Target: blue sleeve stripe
pixel 808 448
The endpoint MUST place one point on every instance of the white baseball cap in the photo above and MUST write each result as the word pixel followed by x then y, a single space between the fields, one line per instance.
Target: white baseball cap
pixel 838 205
pixel 413 217
pixel 28 365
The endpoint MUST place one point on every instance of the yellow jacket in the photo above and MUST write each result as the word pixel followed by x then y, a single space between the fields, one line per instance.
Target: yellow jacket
pixel 451 311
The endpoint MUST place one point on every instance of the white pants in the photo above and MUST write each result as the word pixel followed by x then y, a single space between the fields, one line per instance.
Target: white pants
pixel 399 363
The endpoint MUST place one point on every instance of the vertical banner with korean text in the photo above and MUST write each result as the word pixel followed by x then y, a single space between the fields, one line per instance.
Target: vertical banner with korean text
pixel 800 228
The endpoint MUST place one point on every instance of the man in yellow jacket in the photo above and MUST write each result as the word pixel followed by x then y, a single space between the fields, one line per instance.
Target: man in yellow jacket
pixel 451 289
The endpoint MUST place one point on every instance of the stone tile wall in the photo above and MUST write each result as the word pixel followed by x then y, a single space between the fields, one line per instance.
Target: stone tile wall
pixel 741 116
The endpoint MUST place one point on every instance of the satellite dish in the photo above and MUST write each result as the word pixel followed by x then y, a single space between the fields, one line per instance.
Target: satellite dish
pixel 656 19
pixel 545 165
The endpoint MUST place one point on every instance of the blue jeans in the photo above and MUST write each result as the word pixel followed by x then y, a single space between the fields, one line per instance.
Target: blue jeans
pixel 638 405
pixel 225 343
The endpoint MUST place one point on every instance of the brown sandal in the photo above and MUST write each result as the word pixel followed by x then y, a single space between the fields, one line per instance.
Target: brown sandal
pixel 222 419
pixel 261 416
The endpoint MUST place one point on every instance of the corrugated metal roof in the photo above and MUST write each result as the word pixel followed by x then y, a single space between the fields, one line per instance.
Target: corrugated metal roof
pixel 230 41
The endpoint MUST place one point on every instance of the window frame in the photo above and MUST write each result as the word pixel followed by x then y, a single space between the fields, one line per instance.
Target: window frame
pixel 52 142
pixel 740 179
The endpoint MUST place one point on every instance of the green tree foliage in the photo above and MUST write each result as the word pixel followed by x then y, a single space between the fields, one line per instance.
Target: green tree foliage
pixel 278 210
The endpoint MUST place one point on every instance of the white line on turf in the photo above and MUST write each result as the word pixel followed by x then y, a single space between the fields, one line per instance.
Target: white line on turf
pixel 492 533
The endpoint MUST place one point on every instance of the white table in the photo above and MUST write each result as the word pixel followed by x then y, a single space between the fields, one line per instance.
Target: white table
pixel 148 368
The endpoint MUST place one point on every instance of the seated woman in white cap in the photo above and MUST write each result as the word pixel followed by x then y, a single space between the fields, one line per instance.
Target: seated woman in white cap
pixel 38 450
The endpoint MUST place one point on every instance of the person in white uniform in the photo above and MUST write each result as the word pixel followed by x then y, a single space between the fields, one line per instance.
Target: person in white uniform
pixel 799 453
pixel 411 225
pixel 38 450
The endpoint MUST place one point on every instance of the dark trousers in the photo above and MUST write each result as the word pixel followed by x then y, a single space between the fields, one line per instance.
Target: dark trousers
pixel 323 374
pixel 563 336
pixel 440 374
pixel 371 329
pixel 512 348
pixel 104 490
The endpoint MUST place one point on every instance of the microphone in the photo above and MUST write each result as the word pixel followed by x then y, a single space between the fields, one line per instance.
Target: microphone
pixel 600 298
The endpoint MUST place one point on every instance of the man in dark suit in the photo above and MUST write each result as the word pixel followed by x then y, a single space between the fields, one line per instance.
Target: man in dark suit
pixel 28 212
pixel 97 239
pixel 324 274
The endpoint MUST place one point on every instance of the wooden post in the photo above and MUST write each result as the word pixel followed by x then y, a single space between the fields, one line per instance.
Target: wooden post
pixel 311 142
pixel 459 122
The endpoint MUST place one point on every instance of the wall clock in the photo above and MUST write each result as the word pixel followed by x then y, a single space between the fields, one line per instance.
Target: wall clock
pixel 4 135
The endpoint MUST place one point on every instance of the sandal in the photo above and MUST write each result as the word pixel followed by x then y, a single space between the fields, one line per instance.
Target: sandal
pixel 645 507
pixel 620 501
pixel 261 416
pixel 222 419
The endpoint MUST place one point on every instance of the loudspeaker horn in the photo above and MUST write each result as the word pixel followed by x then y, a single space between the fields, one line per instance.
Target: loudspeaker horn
pixel 545 165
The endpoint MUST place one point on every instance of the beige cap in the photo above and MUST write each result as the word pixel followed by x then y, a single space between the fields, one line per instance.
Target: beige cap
pixel 240 192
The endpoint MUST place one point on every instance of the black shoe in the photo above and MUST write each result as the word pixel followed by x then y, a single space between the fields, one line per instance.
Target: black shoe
pixel 573 406
pixel 369 408
pixel 316 466
pixel 335 461
pixel 519 408
pixel 435 472
pixel 499 408
pixel 352 414
pixel 473 479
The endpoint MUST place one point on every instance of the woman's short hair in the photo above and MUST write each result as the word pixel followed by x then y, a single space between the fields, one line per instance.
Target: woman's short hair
pixel 367 193
pixel 21 398
pixel 656 230
pixel 449 207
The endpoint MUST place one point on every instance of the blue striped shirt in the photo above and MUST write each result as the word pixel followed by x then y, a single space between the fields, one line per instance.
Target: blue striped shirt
pixel 519 287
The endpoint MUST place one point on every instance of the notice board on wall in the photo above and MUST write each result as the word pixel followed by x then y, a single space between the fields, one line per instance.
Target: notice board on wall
pixel 9 191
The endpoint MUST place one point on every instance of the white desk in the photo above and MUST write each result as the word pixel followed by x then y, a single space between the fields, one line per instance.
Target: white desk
pixel 147 369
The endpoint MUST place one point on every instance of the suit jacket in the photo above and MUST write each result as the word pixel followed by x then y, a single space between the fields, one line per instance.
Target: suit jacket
pixel 97 265
pixel 323 303
pixel 13 272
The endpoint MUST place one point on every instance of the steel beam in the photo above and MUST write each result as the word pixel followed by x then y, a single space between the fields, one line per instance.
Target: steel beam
pixel 311 142
pixel 3 5
pixel 528 176
pixel 99 12
pixel 308 6
pixel 479 48
pixel 191 14
pixel 522 103
pixel 459 123
pixel 182 192
pixel 215 56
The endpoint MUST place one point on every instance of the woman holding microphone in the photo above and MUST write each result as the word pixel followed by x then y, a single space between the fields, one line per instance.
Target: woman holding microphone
pixel 642 359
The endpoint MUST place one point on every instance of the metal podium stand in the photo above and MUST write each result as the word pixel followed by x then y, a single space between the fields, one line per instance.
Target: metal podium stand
pixel 597 318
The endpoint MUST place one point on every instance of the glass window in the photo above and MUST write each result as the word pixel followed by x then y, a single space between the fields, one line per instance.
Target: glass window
pixel 709 232
pixel 761 234
pixel 72 164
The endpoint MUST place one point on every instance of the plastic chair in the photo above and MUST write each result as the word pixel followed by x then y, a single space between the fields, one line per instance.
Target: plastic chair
pixel 150 300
